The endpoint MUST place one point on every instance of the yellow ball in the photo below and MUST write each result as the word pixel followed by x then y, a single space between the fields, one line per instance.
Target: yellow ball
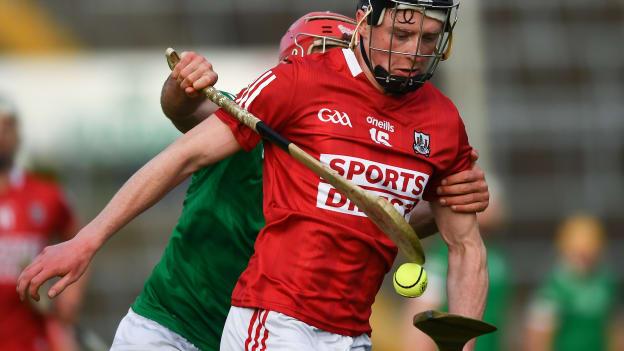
pixel 410 280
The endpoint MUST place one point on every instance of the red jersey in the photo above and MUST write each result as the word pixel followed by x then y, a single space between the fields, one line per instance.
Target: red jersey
pixel 32 211
pixel 318 258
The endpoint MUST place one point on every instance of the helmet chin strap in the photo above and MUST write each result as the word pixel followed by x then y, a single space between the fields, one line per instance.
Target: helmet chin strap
pixel 392 84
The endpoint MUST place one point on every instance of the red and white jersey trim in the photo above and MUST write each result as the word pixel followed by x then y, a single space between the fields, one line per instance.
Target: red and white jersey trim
pixel 352 62
pixel 255 89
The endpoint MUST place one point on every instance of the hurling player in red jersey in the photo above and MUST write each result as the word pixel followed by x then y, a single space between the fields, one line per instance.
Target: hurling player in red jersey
pixel 371 115
pixel 315 32
pixel 33 213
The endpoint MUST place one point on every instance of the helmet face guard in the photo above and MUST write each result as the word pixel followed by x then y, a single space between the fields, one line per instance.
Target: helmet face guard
pixel 306 43
pixel 316 30
pixel 425 58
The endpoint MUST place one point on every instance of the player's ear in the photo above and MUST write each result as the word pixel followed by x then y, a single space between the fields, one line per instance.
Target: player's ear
pixel 359 15
pixel 361 27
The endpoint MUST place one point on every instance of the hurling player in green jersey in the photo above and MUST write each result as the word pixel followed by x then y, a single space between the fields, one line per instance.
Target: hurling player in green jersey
pixel 574 309
pixel 185 301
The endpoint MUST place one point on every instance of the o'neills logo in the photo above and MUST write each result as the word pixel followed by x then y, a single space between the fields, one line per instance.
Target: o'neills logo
pixel 402 187
pixel 385 125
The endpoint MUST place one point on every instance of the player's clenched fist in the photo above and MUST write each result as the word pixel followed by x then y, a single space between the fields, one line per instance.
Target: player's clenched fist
pixel 67 260
pixel 194 73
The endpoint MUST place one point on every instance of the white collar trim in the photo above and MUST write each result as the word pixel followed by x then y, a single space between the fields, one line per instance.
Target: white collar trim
pixel 352 62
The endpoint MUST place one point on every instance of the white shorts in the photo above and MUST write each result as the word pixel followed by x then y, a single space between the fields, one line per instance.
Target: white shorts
pixel 136 333
pixel 249 329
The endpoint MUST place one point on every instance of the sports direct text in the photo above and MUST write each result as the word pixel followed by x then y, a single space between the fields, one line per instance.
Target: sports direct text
pixel 402 187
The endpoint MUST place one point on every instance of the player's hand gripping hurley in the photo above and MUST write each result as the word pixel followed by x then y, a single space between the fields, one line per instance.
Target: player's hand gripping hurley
pixel 378 209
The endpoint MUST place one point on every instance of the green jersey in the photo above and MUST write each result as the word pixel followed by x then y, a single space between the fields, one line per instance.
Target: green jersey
pixel 497 301
pixel 583 307
pixel 189 290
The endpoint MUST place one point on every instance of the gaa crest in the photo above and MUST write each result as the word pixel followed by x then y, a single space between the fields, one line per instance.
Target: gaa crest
pixel 421 143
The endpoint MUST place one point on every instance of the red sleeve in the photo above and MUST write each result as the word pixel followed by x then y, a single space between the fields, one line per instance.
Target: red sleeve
pixel 269 98
pixel 461 161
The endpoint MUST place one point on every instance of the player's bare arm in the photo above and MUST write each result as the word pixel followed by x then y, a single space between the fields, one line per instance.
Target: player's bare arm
pixel 180 98
pixel 208 143
pixel 467 279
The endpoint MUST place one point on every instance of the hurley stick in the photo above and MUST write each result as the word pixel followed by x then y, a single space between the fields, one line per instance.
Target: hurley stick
pixel 450 331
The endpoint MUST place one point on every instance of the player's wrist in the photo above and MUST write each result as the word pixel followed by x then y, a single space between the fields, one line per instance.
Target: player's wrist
pixel 89 242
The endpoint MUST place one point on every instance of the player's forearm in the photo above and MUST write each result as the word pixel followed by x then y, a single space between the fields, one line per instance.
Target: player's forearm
pixel 184 111
pixel 467 279
pixel 209 142
pixel 148 185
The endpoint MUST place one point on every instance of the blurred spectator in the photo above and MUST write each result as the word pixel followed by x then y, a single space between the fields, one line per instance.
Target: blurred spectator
pixel 498 298
pixel 33 212
pixel 574 308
